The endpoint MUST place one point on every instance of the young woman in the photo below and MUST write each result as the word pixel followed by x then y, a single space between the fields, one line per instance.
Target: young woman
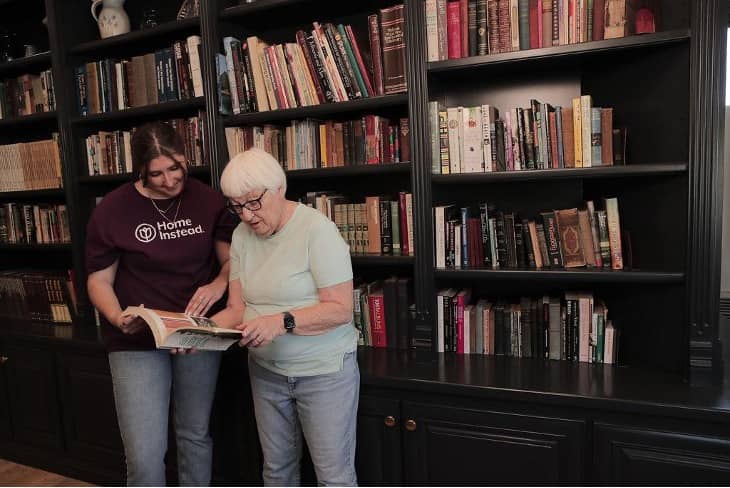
pixel 162 242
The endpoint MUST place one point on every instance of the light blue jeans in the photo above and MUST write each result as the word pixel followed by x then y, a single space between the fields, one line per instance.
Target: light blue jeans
pixel 323 408
pixel 142 384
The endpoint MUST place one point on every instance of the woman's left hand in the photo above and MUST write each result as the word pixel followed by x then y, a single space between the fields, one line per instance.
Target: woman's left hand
pixel 261 330
pixel 204 298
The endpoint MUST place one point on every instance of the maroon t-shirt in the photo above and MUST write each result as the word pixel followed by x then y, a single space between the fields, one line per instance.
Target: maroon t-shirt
pixel 161 262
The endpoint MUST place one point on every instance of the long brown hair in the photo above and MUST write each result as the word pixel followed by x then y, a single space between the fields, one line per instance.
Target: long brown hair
pixel 152 140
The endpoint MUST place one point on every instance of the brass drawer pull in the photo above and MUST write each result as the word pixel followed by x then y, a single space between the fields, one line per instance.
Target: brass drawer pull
pixel 389 421
pixel 410 425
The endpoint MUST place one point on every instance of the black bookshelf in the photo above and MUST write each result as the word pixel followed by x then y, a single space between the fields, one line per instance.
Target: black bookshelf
pixel 580 51
pixel 26 194
pixel 22 247
pixel 318 111
pixel 381 260
pixel 40 119
pixel 564 277
pixel 628 171
pixel 197 171
pixel 665 87
pixel 157 111
pixel 258 7
pixel 28 64
pixel 137 38
pixel 348 171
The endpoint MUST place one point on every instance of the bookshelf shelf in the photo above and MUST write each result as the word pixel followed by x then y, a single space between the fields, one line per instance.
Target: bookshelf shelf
pixel 39 119
pixel 35 247
pixel 27 64
pixel 197 171
pixel 559 277
pixel 322 110
pixel 26 194
pixel 133 115
pixel 136 38
pixel 344 171
pixel 580 50
pixel 257 7
pixel 381 260
pixel 632 170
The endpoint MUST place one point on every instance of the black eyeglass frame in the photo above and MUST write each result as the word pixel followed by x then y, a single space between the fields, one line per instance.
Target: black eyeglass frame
pixel 252 205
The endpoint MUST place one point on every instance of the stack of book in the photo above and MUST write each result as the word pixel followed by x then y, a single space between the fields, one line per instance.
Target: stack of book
pixel 27 94
pixel 31 165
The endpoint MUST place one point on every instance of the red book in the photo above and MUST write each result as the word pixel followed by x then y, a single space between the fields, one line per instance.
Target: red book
pixel 453 20
pixel 378 330
pixel 302 41
pixel 535 21
pixel 376 52
pixel 404 139
pixel 539 23
pixel 464 20
pixel 404 249
pixel 462 300
pixel 598 19
pixel 358 57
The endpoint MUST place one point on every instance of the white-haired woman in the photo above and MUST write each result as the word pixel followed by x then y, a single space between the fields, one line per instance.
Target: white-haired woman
pixel 291 295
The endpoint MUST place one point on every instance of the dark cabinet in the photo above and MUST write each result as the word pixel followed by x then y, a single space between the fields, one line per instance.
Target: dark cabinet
pixel 4 405
pixel 378 458
pixel 33 395
pixel 429 443
pixel 90 422
pixel 625 454
pixel 457 446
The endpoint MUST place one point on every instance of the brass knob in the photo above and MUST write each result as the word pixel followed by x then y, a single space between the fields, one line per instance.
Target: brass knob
pixel 3 359
pixel 389 421
pixel 410 425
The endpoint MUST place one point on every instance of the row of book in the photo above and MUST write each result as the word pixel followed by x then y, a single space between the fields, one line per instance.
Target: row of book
pixel 382 311
pixel 462 28
pixel 380 225
pixel 34 224
pixel 31 165
pixel 35 295
pixel 326 64
pixel 110 152
pixel 27 94
pixel 164 75
pixel 556 239
pixel 571 327
pixel 371 139
pixel 476 139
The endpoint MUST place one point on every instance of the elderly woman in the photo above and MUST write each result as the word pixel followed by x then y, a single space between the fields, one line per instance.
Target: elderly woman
pixel 290 292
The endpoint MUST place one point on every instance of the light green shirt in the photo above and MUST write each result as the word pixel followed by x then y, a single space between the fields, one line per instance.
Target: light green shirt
pixel 283 272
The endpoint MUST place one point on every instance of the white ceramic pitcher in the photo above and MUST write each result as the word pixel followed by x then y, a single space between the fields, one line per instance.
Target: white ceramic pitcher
pixel 112 18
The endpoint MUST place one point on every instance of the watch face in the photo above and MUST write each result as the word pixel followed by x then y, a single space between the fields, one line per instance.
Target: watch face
pixel 289 322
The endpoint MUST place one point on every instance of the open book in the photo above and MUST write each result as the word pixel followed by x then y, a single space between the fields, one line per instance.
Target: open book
pixel 179 330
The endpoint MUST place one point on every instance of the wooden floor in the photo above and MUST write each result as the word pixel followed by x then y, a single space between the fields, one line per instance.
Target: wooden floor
pixel 12 474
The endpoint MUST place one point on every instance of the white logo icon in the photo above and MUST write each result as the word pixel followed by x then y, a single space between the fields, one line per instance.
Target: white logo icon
pixel 145 233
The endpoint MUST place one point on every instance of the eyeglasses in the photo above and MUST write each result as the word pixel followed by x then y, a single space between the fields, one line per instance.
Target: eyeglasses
pixel 252 205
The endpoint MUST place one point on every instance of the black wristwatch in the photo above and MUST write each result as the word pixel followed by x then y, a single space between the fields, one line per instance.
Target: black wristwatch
pixel 289 322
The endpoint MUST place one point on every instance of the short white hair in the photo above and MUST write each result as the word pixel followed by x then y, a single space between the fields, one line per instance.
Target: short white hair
pixel 253 169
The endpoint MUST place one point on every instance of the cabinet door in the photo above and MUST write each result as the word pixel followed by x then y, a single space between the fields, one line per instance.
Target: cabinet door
pixel 447 446
pixel 4 405
pixel 636 455
pixel 90 419
pixel 378 457
pixel 33 395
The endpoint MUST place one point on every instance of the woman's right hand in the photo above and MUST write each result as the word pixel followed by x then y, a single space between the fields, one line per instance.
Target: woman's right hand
pixel 129 324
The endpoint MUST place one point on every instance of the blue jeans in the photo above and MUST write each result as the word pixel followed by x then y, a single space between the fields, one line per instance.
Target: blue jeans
pixel 142 383
pixel 323 408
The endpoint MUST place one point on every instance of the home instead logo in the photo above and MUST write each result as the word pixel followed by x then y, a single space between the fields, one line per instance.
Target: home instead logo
pixel 167 230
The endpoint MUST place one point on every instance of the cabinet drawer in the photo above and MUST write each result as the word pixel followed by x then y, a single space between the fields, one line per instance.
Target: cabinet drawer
pixel 631 454
pixel 450 446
